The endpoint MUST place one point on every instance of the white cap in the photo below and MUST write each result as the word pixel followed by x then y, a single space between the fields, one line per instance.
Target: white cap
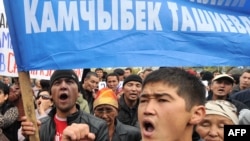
pixel 226 76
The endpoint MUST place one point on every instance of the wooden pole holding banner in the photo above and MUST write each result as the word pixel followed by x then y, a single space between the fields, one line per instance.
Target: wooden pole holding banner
pixel 28 104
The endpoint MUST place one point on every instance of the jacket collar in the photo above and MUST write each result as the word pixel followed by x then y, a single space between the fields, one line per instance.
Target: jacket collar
pixel 71 117
pixel 123 105
pixel 118 127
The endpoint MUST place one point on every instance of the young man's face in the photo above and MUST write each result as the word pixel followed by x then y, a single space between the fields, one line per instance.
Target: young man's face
pixel 64 93
pixel 126 73
pixel 91 83
pixel 112 82
pixel 132 90
pixel 245 80
pixel 99 73
pixel 6 80
pixel 162 113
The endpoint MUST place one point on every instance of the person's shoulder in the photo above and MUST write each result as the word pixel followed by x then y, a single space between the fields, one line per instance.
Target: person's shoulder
pixel 128 128
pixel 46 122
pixel 45 119
pixel 132 133
pixel 92 120
pixel 237 103
pixel 244 117
pixel 96 125
pixel 242 93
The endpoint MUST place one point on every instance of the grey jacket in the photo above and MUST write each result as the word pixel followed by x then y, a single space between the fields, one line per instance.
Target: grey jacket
pixel 125 132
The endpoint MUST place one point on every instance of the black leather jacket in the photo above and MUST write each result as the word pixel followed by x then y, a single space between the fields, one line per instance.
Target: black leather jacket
pixel 125 132
pixel 127 115
pixel 97 126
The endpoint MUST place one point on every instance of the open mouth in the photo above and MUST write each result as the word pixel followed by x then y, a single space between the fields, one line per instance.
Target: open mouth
pixel 221 90
pixel 133 95
pixel 63 96
pixel 148 126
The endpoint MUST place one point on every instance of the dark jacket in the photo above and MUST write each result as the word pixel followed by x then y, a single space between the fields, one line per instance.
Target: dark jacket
pixel 127 115
pixel 126 132
pixel 242 96
pixel 196 136
pixel 97 126
pixel 236 89
pixel 89 97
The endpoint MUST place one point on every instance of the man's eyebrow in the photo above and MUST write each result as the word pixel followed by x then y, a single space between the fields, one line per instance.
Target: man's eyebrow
pixel 156 95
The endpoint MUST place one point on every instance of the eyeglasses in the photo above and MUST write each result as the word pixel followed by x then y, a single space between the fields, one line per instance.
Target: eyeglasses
pixel 44 97
pixel 102 110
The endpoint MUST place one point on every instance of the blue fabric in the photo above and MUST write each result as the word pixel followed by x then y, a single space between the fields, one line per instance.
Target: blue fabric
pixel 66 34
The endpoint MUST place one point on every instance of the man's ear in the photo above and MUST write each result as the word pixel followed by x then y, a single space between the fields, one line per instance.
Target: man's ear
pixel 198 113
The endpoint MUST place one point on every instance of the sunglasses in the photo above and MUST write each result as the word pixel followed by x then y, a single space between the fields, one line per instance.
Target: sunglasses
pixel 44 97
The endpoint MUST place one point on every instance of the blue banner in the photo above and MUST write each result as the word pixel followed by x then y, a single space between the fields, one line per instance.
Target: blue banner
pixel 60 34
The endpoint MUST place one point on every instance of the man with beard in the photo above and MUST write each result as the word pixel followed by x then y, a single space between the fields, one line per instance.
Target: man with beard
pixel 60 124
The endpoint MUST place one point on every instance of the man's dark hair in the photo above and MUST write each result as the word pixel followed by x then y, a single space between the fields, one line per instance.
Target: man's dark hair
pixel 236 78
pixel 130 69
pixel 97 69
pixel 246 70
pixel 112 74
pixel 44 84
pixel 189 87
pixel 148 69
pixel 89 74
pixel 207 75
pixel 119 71
pixel 4 88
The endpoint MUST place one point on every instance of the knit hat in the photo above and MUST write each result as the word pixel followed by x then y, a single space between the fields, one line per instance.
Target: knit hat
pixel 225 76
pixel 223 108
pixel 132 77
pixel 105 96
pixel 64 74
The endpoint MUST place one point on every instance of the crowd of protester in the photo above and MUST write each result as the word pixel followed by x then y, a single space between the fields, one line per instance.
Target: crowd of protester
pixel 163 104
